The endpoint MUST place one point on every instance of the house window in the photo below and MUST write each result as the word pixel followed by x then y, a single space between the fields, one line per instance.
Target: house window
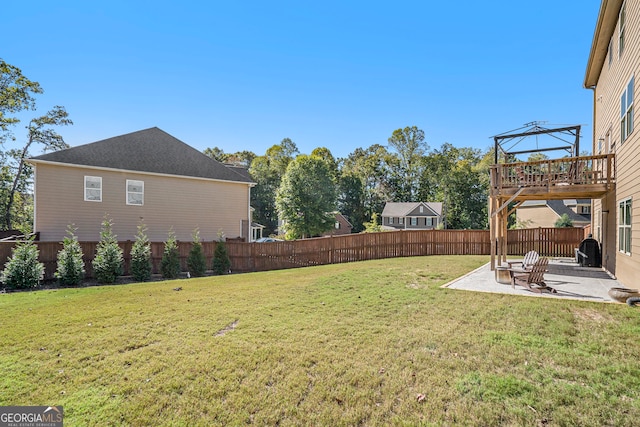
pixel 390 220
pixel 135 192
pixel 421 209
pixel 429 222
pixel 92 188
pixel 610 51
pixel 414 221
pixel 400 220
pixel 584 210
pixel 626 112
pixel 624 226
pixel 621 20
pixel 337 225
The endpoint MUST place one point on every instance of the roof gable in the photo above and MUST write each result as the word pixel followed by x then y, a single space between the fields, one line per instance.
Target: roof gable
pixel 402 209
pixel 151 150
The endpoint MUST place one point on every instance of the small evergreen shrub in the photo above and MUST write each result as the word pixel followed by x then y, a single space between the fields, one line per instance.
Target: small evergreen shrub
pixel 141 256
pixel 107 264
pixel 221 261
pixel 196 261
pixel 23 270
pixel 70 271
pixel 170 264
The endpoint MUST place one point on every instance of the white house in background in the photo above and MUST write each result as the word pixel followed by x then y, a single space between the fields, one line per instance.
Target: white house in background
pixel 411 215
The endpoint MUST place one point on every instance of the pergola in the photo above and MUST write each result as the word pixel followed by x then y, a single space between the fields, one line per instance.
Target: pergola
pixel 514 181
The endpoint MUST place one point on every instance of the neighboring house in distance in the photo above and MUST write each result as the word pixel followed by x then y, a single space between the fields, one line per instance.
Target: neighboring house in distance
pixel 411 215
pixel 147 175
pixel 612 67
pixel 341 226
pixel 545 213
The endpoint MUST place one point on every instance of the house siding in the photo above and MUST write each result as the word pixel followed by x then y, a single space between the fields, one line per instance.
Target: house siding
pixel 537 216
pixel 169 201
pixel 610 86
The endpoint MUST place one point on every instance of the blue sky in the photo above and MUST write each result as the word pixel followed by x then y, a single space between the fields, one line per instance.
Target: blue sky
pixel 243 75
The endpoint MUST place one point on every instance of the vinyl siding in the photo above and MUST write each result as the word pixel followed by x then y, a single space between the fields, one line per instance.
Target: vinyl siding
pixel 611 84
pixel 178 202
pixel 537 216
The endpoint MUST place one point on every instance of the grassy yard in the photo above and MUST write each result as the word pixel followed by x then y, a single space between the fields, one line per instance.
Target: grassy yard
pixel 369 343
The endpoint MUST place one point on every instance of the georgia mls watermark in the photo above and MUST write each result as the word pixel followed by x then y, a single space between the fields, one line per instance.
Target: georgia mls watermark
pixel 31 416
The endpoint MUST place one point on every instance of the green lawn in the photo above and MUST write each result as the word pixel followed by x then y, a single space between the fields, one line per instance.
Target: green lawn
pixel 368 343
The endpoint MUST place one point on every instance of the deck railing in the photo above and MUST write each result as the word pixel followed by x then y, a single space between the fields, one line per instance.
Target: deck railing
pixel 583 170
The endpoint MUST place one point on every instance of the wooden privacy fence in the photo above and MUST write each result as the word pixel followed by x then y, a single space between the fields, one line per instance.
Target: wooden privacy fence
pixel 247 257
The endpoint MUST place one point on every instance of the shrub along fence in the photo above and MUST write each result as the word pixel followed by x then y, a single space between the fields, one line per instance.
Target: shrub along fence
pixel 247 257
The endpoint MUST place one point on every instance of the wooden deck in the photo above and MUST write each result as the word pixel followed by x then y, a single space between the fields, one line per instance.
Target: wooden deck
pixel 585 177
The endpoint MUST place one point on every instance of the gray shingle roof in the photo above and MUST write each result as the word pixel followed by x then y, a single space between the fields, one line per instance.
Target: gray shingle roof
pixel 401 209
pixel 560 207
pixel 150 150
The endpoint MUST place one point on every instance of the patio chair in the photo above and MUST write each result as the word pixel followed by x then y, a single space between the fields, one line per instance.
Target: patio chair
pixel 534 279
pixel 527 262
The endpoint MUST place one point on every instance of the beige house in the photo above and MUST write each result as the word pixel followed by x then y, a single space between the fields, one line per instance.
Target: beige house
pixel 411 215
pixel 613 65
pixel 145 176
pixel 545 213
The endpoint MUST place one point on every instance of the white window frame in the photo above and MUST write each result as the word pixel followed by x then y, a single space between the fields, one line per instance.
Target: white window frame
pixel 390 220
pixel 128 192
pixel 626 111
pixel 428 221
pixel 99 189
pixel 622 21
pixel 624 226
pixel 414 221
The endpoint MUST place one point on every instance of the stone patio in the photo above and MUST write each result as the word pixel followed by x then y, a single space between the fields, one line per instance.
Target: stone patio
pixel 569 279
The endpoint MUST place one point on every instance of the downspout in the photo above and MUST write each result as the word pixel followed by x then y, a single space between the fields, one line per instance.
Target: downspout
pixel 35 175
pixel 249 231
pixel 603 227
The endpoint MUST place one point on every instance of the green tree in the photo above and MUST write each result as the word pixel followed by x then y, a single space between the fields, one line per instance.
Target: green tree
pixel 39 131
pixel 196 261
pixel 564 221
pixel 16 94
pixel 371 167
pixel 374 225
pixel 70 271
pixel 141 255
pixel 108 262
pixel 325 155
pixel 216 154
pixel 267 171
pixel 23 270
pixel 221 261
pixel 240 158
pixel 306 198
pixel 458 178
pixel 351 200
pixel 410 145
pixel 170 263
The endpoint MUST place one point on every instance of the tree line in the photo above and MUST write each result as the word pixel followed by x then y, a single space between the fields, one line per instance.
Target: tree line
pixel 304 189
